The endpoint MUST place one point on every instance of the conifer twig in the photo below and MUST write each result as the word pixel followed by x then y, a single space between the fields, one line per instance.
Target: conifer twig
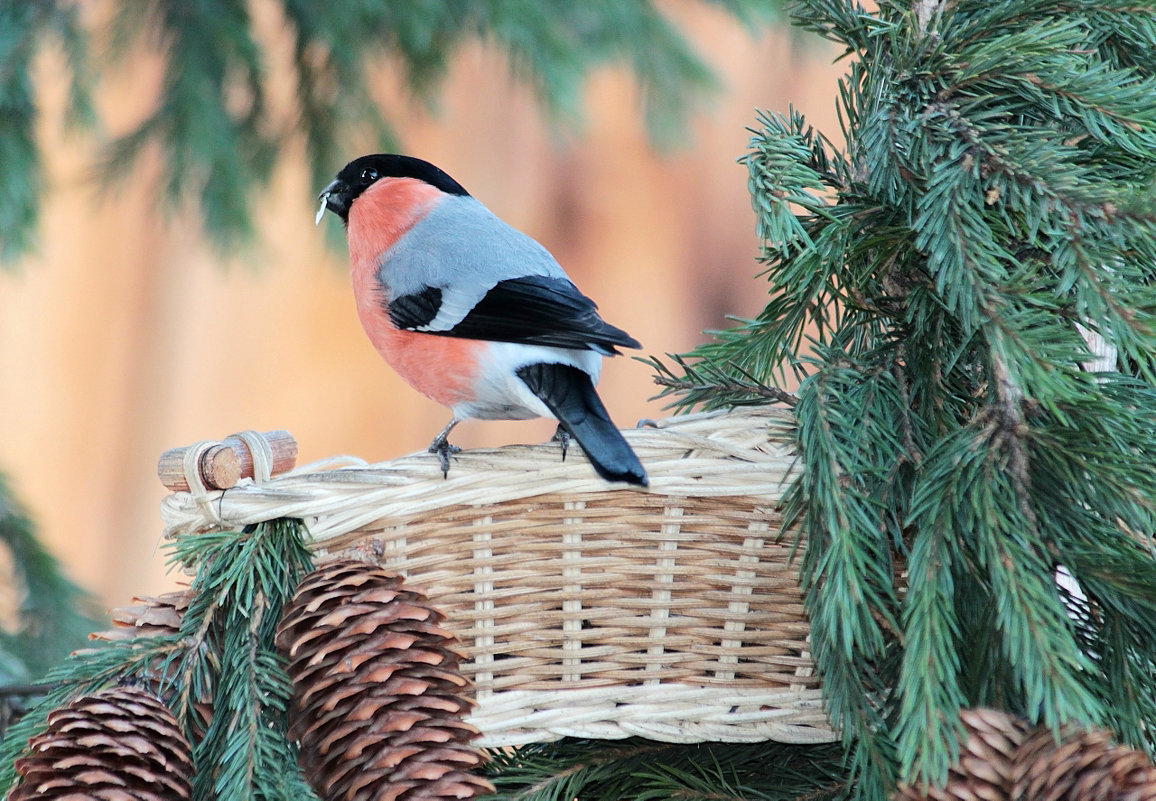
pixel 723 386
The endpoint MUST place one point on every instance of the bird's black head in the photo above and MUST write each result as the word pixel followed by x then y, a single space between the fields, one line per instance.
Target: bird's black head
pixel 361 173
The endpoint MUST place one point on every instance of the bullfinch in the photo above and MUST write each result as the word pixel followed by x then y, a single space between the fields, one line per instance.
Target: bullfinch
pixel 473 313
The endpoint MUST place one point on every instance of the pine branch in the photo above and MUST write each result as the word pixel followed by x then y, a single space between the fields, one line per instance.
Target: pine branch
pixel 646 771
pixel 701 383
pixel 798 777
pixel 242 582
pixel 560 771
pixel 222 662
pixel 848 573
pixel 84 672
pixel 52 616
pixel 992 203
pixel 23 29
pixel 219 137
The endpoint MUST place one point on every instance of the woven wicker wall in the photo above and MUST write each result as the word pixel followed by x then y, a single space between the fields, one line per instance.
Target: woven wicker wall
pixel 698 562
pixel 125 336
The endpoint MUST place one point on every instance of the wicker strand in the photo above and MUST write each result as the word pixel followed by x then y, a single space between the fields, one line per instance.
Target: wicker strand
pixel 261 452
pixel 198 492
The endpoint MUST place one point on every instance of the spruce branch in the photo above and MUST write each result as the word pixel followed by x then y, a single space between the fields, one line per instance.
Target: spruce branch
pixel 219 135
pixel 700 382
pixel 84 672
pixel 51 614
pixel 647 771
pixel 221 662
pixel 25 28
pixel 193 676
pixel 847 573
pixel 243 580
pixel 990 208
pixel 561 771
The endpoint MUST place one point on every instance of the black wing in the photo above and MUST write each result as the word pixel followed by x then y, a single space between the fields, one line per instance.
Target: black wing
pixel 536 310
pixel 416 310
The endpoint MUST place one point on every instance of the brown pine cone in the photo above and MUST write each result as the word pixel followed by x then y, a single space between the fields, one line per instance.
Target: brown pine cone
pixel 1083 766
pixel 158 616
pixel 986 761
pixel 147 617
pixel 1003 759
pixel 118 744
pixel 378 699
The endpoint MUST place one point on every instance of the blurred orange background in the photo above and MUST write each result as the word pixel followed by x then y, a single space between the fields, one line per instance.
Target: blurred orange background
pixel 126 334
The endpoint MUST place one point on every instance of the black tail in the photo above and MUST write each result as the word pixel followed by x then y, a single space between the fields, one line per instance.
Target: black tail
pixel 569 393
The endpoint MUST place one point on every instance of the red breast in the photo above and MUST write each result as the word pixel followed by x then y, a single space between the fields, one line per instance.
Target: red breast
pixel 440 367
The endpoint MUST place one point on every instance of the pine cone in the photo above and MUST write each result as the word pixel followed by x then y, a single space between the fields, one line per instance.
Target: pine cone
pixel 158 616
pixel 378 699
pixel 984 771
pixel 147 617
pixel 119 744
pixel 1084 766
pixel 1003 759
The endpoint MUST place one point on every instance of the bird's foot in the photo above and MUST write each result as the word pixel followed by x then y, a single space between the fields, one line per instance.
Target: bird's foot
pixel 562 437
pixel 444 450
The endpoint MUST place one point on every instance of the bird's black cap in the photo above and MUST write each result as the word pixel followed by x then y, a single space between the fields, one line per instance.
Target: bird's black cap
pixel 361 173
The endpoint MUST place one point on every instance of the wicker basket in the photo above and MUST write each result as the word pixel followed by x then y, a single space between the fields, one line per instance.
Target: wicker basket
pixel 586 609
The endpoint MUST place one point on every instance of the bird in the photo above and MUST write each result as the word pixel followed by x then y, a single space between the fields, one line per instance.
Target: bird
pixel 473 313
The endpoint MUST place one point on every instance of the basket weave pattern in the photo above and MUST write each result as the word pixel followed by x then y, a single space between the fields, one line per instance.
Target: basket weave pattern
pixel 586 609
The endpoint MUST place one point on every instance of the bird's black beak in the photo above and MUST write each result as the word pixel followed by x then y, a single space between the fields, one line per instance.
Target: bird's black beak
pixel 334 197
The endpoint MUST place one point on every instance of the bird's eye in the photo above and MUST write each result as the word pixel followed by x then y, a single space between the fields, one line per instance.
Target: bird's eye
pixel 369 175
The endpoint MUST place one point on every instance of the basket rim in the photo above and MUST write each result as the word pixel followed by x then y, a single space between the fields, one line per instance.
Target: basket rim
pixel 694 455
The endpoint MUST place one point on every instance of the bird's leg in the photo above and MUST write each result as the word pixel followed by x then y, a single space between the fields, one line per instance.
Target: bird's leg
pixel 562 437
pixel 443 448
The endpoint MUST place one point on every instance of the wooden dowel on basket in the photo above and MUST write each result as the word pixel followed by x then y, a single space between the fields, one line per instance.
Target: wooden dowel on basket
pixel 224 464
